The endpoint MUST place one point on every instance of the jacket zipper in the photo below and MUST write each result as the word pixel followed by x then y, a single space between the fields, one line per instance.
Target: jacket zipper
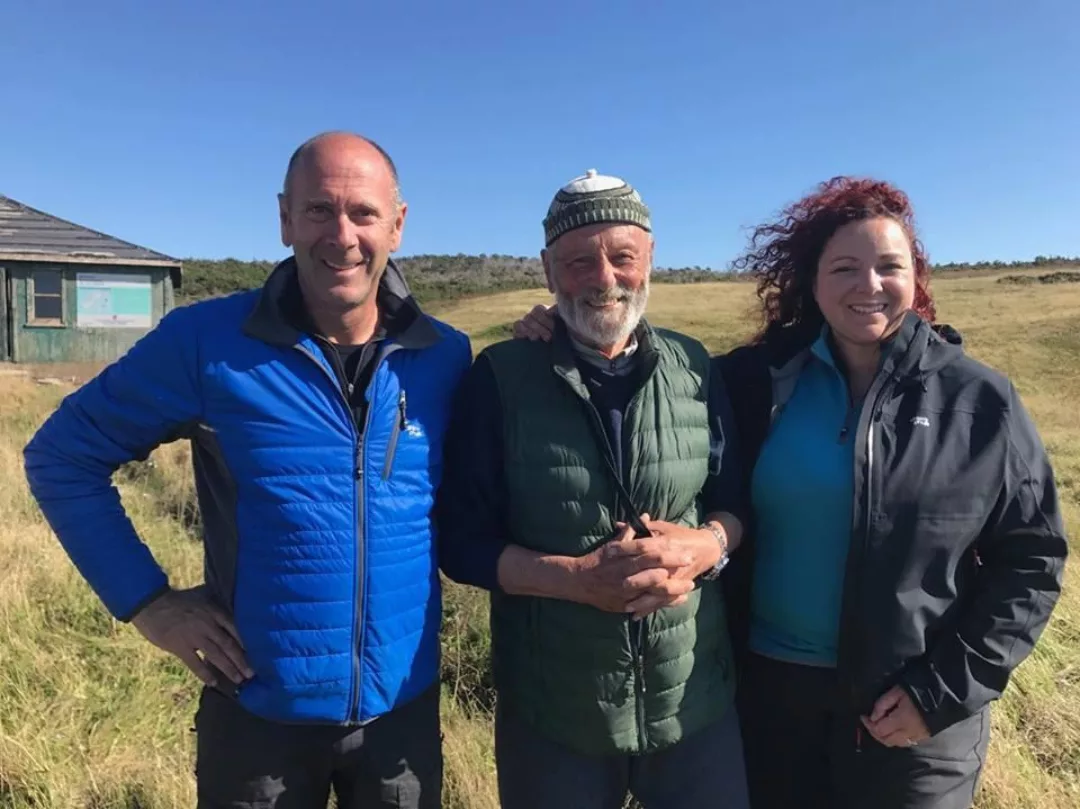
pixel 866 533
pixel 361 566
pixel 635 628
pixel 399 425
pixel 344 390
pixel 867 522
pixel 361 501
pixel 637 648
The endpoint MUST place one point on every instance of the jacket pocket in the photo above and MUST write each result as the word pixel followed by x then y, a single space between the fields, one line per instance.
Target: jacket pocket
pixel 964 741
pixel 395 434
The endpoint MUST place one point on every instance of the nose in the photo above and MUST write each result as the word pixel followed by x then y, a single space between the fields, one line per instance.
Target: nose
pixel 341 234
pixel 603 275
pixel 870 280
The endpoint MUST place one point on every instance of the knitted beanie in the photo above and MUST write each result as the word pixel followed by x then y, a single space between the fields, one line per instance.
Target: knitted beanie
pixel 590 199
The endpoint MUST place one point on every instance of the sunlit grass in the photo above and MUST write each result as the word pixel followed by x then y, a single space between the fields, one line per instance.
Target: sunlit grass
pixel 93 716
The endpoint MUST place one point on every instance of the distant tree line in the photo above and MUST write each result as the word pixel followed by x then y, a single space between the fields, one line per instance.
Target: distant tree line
pixel 1038 261
pixel 446 277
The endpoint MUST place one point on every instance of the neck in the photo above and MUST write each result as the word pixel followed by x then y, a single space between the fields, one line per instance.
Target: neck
pixel 614 349
pixel 609 351
pixel 861 363
pixel 350 327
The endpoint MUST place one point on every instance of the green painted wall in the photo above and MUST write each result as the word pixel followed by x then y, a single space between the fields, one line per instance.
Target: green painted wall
pixel 69 343
pixel 4 355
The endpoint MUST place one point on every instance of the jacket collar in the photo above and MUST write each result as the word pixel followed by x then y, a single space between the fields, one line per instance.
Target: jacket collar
pixel 564 358
pixel 902 356
pixel 788 347
pixel 279 317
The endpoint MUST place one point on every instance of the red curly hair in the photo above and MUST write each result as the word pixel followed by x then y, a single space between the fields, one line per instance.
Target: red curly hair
pixel 783 255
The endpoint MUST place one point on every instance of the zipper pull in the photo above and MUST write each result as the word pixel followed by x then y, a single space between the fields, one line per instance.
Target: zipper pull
pixel 858 738
pixel 401 405
pixel 641 671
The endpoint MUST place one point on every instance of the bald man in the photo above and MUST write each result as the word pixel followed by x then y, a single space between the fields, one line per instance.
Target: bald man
pixel 315 408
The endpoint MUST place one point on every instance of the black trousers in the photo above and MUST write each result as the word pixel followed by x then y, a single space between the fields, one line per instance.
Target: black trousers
pixel 802 754
pixel 244 762
pixel 702 771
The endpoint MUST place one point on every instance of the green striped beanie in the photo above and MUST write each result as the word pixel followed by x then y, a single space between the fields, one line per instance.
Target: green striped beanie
pixel 590 199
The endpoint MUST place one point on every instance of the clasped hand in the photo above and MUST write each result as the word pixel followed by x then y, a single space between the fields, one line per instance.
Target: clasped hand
pixel 640 576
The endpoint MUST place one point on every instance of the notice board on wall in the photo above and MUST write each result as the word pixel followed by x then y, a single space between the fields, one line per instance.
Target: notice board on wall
pixel 113 300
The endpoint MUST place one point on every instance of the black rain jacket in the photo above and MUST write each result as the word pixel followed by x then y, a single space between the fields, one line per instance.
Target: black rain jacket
pixel 957 544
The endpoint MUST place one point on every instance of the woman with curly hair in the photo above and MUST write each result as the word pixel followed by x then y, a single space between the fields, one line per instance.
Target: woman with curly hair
pixel 904 546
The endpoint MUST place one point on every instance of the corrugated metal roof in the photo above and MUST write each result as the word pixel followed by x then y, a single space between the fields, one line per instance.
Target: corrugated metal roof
pixel 26 232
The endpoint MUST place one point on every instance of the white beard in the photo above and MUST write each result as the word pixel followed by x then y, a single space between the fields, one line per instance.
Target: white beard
pixel 603 327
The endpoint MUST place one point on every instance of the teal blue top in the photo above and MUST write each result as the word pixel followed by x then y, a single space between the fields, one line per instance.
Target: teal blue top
pixel 802 500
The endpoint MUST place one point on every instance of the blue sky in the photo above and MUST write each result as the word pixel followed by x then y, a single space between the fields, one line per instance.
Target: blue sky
pixel 169 124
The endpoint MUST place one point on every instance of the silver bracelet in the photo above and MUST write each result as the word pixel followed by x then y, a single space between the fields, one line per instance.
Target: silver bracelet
pixel 721 537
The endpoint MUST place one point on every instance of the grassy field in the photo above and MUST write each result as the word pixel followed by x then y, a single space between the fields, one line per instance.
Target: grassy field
pixel 93 717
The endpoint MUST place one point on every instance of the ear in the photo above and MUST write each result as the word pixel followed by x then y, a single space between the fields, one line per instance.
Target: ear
pixel 399 227
pixel 286 222
pixel 548 261
pixel 652 252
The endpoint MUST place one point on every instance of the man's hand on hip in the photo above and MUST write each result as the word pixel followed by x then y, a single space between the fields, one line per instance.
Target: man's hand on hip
pixel 186 624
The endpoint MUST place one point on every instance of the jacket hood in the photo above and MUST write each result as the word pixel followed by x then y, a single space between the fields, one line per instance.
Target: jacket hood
pixel 937 345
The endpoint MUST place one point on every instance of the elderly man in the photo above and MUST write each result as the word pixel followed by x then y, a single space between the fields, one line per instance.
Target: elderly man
pixel 578 491
pixel 316 409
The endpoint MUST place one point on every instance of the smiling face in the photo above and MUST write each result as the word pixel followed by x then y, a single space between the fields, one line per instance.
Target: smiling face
pixel 600 277
pixel 865 281
pixel 342 218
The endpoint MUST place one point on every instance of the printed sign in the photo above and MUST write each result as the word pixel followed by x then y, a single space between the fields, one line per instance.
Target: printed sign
pixel 112 301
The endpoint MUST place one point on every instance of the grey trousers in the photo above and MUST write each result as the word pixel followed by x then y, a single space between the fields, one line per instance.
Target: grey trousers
pixel 702 771
pixel 801 754
pixel 245 762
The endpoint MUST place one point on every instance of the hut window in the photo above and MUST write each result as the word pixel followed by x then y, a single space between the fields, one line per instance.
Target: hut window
pixel 47 298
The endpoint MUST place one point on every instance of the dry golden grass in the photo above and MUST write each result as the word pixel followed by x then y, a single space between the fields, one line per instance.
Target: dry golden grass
pixel 92 716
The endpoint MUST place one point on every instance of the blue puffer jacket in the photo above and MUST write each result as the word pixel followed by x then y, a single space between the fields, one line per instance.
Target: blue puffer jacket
pixel 319 544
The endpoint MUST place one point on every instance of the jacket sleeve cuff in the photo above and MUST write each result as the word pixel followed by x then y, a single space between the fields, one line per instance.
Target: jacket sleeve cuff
pixel 481 568
pixel 145 602
pixel 939 708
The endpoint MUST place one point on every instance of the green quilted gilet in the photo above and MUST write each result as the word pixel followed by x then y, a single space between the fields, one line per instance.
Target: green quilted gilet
pixel 596 681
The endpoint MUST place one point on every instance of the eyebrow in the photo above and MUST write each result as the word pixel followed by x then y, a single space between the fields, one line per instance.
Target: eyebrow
pixel 893 256
pixel 365 207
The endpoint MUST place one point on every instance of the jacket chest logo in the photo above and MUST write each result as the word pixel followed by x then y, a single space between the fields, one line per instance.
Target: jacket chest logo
pixel 921 421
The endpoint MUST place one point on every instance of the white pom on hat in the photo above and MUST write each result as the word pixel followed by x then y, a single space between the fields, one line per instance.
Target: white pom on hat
pixel 590 182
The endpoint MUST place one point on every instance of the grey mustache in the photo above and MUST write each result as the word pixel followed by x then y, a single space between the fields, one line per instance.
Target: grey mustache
pixel 618 297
